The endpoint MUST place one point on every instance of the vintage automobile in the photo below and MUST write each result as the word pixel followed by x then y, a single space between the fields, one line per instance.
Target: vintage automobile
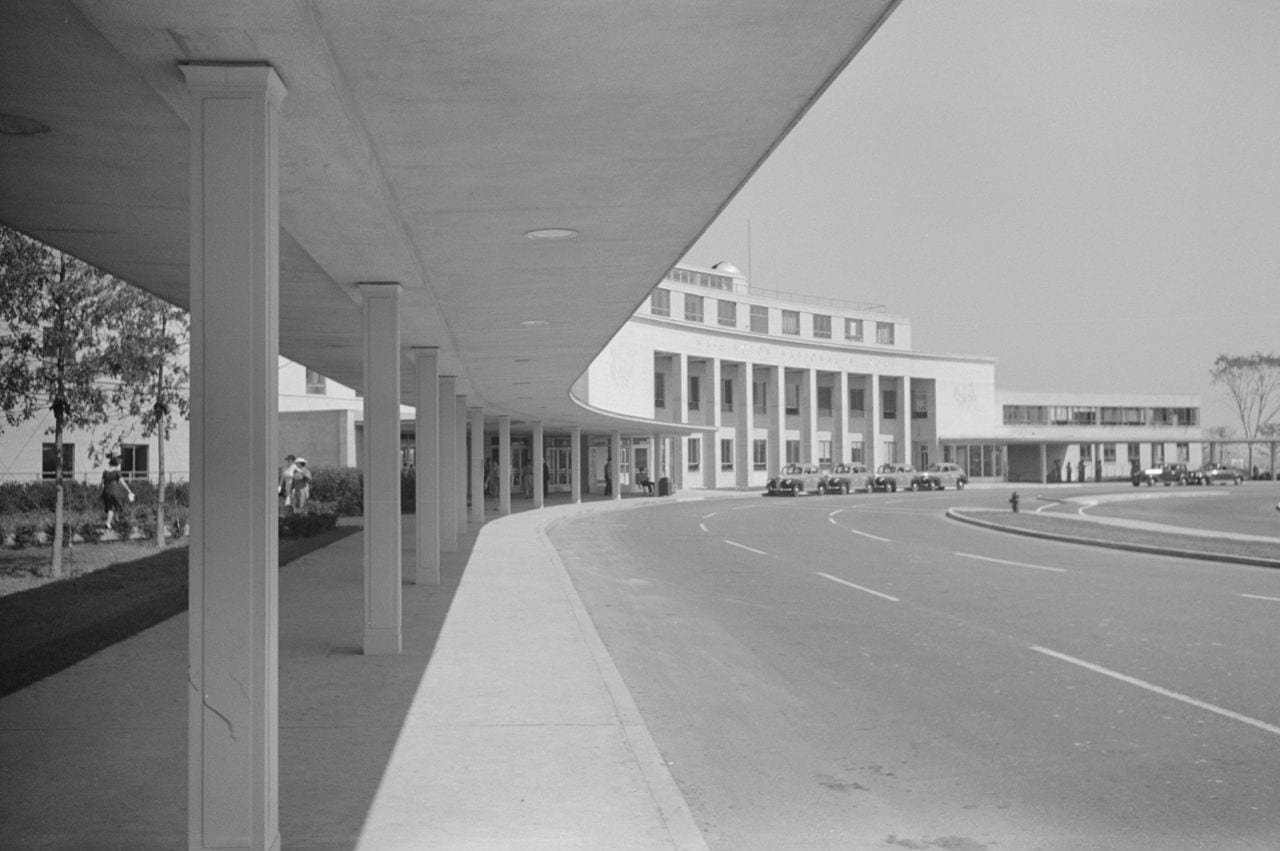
pixel 945 475
pixel 796 479
pixel 849 477
pixel 1166 474
pixel 895 477
pixel 1210 473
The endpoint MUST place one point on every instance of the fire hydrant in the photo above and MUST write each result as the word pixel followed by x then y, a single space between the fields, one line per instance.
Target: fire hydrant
pixel 1013 500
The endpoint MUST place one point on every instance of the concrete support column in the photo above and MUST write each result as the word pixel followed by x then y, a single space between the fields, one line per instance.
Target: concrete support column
pixel 909 450
pixel 536 456
pixel 777 415
pixel 381 331
pixel 711 441
pixel 1044 463
pixel 746 405
pixel 476 458
pixel 615 463
pixel 233 561
pixel 461 464
pixel 426 468
pixel 809 416
pixel 873 448
pixel 840 419
pixel 575 465
pixel 449 442
pixel 504 465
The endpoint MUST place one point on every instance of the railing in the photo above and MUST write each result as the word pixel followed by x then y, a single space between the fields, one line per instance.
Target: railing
pixel 783 295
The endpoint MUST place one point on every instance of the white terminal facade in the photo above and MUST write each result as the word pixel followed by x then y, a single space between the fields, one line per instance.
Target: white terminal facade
pixel 774 377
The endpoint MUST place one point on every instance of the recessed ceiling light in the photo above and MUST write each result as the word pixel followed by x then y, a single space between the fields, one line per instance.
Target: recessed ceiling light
pixel 533 323
pixel 552 233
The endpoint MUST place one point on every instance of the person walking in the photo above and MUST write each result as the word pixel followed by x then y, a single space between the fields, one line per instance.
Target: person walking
pixel 115 490
pixel 300 484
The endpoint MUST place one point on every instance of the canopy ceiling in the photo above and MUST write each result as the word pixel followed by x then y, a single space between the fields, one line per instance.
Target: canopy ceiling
pixel 420 143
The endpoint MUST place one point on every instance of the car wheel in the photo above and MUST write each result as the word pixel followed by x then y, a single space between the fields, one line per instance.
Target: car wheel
pixel 915 486
pixel 795 490
pixel 1239 480
pixel 893 487
pixel 870 488
pixel 842 488
pixel 822 489
pixel 960 484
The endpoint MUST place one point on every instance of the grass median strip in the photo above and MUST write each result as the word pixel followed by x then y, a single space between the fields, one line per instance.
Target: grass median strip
pixel 51 627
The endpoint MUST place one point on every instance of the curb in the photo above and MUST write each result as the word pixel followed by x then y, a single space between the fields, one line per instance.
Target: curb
pixel 1150 549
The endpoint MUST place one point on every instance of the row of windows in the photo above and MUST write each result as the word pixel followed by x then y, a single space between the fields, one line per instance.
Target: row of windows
pixel 857 398
pixel 1091 415
pixel 727 315
pixel 134 460
pixel 701 279
pixel 760 453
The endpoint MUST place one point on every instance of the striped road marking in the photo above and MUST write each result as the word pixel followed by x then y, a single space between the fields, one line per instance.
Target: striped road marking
pixel 832 520
pixel 1134 681
pixel 1260 597
pixel 744 547
pixel 1014 563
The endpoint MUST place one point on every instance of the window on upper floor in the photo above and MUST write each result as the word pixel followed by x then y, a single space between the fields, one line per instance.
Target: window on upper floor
pixel 695 393
pixel 853 330
pixel 824 401
pixel 726 394
pixel 884 333
pixel 857 401
pixel 759 319
pixel 758 398
pixel 660 302
pixel 793 399
pixel 315 383
pixel 821 326
pixel 889 404
pixel 659 390
pixel 919 402
pixel 727 313
pixel 692 308
pixel 790 322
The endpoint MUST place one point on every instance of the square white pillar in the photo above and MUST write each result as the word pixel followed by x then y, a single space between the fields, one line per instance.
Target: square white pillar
pixel 381 319
pixel 744 434
pixel 539 475
pixel 233 654
pixel 449 449
pixel 873 400
pixel 809 416
pixel 777 416
pixel 711 441
pixel 615 463
pixel 840 419
pixel 504 465
pixel 426 468
pixel 476 418
pixel 575 465
pixel 908 433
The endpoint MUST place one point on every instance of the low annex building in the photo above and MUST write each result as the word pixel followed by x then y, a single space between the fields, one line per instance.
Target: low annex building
pixel 771 377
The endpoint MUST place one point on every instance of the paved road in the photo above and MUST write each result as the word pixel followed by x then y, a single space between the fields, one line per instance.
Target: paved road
pixel 859 672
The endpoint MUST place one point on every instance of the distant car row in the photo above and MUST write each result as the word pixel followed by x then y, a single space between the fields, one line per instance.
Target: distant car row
pixel 1180 474
pixel 800 479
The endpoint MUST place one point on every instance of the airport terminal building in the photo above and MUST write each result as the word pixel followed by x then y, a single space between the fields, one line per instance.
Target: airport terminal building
pixel 771 377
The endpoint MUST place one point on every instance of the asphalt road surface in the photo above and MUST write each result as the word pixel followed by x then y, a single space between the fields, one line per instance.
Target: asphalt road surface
pixel 861 672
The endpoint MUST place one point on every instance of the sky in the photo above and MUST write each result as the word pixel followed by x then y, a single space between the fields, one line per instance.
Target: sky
pixel 1087 191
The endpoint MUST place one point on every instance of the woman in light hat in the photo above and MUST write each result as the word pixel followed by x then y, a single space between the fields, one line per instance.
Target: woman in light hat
pixel 301 485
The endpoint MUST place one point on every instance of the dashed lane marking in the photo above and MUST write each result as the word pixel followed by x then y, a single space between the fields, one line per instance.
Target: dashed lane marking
pixel 1151 687
pixel 1260 597
pixel 744 547
pixel 1013 563
pixel 858 587
pixel 832 520
pixel 703 527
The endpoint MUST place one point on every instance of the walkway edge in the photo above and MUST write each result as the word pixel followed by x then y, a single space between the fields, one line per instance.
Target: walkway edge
pixel 1150 549
pixel 667 797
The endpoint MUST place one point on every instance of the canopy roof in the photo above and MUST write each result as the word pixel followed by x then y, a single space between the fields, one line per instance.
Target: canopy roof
pixel 422 142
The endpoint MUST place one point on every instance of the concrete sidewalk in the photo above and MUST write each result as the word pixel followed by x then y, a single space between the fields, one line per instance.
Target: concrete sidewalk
pixel 503 724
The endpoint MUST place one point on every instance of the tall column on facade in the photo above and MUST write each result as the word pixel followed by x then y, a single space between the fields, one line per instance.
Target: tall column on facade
pixel 679 414
pixel 476 460
pixel 460 461
pixel 711 442
pixel 908 419
pixel 233 559
pixel 840 419
pixel 745 407
pixel 426 467
pixel 777 414
pixel 536 456
pixel 873 402
pixel 504 465
pixel 575 465
pixel 615 463
pixel 1044 463
pixel 381 331
pixel 809 416
pixel 449 449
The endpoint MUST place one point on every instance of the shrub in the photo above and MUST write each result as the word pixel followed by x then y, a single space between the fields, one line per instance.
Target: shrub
pixel 26 530
pixel 311 520
pixel 408 490
pixel 340 487
pixel 90 528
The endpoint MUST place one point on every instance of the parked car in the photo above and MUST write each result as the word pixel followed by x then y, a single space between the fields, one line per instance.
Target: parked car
pixel 945 475
pixel 849 477
pixel 1166 474
pixel 1210 473
pixel 797 479
pixel 895 477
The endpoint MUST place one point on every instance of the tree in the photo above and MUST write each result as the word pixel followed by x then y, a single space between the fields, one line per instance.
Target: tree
pixel 52 353
pixel 1253 384
pixel 147 354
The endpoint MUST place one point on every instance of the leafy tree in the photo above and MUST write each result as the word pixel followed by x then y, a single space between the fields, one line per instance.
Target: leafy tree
pixel 52 346
pixel 1253 384
pixel 147 353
